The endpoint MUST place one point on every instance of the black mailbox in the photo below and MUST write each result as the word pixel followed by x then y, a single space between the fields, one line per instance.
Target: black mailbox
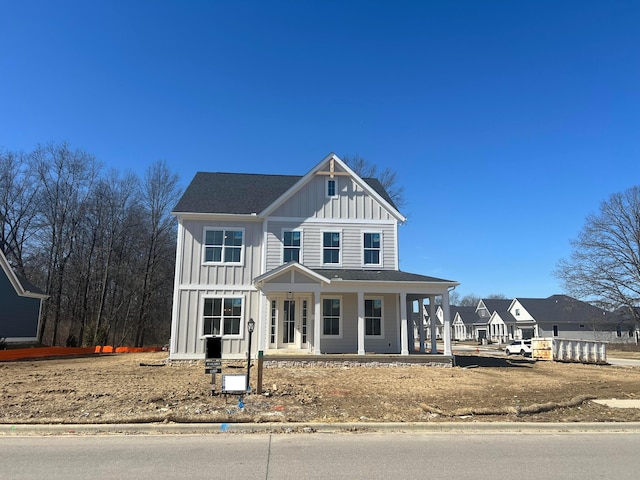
pixel 213 348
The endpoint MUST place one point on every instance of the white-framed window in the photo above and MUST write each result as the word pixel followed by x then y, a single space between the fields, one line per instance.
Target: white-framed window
pixel 373 322
pixel 223 245
pixel 291 246
pixel 331 248
pixel 555 330
pixel 371 252
pixel 332 187
pixel 331 317
pixel 222 316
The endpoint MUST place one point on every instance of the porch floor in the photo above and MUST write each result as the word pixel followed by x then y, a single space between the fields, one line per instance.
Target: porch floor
pixel 413 358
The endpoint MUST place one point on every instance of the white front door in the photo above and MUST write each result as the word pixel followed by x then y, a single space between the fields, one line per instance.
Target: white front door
pixel 295 322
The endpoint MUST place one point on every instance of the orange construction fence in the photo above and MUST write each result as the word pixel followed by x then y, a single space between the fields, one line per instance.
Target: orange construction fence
pixel 43 352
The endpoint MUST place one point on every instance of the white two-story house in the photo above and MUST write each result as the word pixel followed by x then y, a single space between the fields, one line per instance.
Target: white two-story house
pixel 312 259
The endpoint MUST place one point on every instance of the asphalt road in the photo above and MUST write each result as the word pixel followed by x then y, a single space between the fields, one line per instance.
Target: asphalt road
pixel 368 456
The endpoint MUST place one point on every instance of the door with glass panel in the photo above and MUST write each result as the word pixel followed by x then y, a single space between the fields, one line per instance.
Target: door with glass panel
pixel 294 328
pixel 289 323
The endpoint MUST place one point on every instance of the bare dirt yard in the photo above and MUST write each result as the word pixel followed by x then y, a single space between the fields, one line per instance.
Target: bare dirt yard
pixel 128 388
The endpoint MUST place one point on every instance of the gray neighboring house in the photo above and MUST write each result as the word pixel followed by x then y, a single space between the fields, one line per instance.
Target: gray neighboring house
pixel 21 303
pixel 558 316
pixel 312 259
pixel 561 316
pixel 626 325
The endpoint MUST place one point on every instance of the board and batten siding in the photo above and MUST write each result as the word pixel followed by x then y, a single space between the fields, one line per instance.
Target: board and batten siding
pixel 352 243
pixel 388 343
pixel 196 280
pixel 195 272
pixel 352 202
pixel 190 340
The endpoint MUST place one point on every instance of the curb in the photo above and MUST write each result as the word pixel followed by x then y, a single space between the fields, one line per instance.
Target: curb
pixel 288 428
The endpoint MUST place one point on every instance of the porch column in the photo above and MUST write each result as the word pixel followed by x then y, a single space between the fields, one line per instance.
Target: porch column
pixel 421 324
pixel 447 323
pixel 317 323
pixel 361 328
pixel 411 328
pixel 404 337
pixel 432 319
pixel 263 321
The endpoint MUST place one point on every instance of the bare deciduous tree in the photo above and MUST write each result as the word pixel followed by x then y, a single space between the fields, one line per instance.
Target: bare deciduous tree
pixel 65 177
pixel 604 265
pixel 102 246
pixel 388 178
pixel 17 212
pixel 159 193
pixel 471 299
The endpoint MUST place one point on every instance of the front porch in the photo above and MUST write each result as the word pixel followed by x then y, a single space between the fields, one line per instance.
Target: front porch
pixel 347 312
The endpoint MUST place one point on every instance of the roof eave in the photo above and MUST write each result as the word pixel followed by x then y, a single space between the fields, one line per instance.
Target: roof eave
pixel 261 279
pixel 15 281
pixel 442 284
pixel 254 217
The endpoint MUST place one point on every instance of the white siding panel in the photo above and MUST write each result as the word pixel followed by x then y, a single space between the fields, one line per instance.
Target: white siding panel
pixel 351 243
pixel 190 341
pixel 349 341
pixel 194 272
pixel 352 202
pixel 274 241
pixel 313 246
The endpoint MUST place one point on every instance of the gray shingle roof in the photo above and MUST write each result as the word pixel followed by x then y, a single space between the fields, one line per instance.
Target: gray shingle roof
pixel 465 312
pixel 377 275
pixel 505 316
pixel 27 285
pixel 561 309
pixel 242 193
pixel 496 304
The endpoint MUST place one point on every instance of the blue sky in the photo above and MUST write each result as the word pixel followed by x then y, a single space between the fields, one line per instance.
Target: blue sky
pixel 506 121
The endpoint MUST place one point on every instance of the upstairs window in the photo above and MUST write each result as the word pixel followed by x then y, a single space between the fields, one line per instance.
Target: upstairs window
pixel 371 249
pixel 331 188
pixel 223 246
pixel 222 316
pixel 331 248
pixel 291 243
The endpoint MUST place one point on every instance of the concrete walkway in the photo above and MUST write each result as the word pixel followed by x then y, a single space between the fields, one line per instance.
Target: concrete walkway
pixel 617 403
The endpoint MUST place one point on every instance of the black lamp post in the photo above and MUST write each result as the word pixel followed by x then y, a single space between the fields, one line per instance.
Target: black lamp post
pixel 251 325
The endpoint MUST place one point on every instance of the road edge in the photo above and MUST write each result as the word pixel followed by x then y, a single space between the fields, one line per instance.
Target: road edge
pixel 302 428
